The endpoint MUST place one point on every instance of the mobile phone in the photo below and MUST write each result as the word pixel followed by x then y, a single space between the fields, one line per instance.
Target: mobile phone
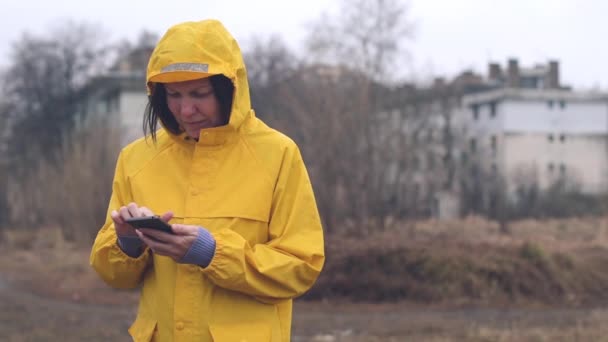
pixel 151 222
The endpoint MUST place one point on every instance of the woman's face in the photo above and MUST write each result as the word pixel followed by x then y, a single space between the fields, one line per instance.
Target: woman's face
pixel 194 105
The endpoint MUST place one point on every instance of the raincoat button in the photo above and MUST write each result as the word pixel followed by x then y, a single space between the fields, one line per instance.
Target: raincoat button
pixel 179 326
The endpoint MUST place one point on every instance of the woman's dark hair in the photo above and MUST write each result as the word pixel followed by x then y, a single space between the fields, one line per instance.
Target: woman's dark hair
pixel 157 108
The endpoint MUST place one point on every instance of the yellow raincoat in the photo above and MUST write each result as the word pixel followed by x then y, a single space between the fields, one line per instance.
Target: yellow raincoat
pixel 244 182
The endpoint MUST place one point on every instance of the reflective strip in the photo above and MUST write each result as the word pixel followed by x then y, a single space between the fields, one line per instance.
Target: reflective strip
pixel 186 67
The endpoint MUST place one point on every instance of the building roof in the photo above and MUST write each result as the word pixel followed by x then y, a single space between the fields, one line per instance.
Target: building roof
pixel 525 94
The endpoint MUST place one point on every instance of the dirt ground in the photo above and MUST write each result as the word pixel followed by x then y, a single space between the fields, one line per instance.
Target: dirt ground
pixel 25 316
pixel 54 296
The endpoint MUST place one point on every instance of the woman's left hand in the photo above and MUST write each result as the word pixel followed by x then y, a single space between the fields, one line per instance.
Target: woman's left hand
pixel 174 245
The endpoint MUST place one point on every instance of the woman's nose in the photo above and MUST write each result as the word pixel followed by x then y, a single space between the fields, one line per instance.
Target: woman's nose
pixel 187 107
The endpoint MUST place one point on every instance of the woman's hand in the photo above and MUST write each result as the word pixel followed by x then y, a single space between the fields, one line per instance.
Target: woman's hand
pixel 132 210
pixel 174 245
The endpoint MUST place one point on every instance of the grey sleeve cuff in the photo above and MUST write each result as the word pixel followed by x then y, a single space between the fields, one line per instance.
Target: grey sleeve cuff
pixel 131 245
pixel 202 250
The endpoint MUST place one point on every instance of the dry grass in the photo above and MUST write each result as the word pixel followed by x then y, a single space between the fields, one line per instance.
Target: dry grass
pixel 471 261
pixel 68 295
pixel 552 234
pixel 72 193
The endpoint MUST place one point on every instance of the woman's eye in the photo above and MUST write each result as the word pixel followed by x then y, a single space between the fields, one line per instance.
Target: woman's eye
pixel 202 94
pixel 173 95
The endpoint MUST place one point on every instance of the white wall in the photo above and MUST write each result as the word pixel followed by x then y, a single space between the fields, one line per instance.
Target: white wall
pixel 585 158
pixel 132 106
pixel 536 116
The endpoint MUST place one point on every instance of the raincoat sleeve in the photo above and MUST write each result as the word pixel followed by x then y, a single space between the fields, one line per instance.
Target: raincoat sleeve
pixel 114 266
pixel 290 262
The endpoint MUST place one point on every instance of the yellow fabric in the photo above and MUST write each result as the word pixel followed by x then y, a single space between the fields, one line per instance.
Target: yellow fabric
pixel 244 182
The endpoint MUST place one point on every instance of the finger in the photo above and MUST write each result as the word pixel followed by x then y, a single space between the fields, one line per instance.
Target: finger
pixel 124 213
pixel 184 229
pixel 167 216
pixel 148 241
pixel 157 235
pixel 116 217
pixel 156 246
pixel 134 210
pixel 146 212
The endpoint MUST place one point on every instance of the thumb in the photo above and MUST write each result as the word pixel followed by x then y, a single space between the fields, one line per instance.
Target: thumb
pixel 167 216
pixel 184 229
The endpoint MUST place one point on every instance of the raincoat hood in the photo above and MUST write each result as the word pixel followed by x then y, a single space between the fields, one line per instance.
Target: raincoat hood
pixel 193 50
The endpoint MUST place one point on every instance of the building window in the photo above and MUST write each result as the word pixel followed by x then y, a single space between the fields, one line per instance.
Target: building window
pixel 550 104
pixel 475 110
pixel 494 169
pixel 562 138
pixel 493 110
pixel 464 158
pixel 429 135
pixel 562 104
pixel 550 137
pixel 551 167
pixel 562 168
pixel 473 145
pixel 493 143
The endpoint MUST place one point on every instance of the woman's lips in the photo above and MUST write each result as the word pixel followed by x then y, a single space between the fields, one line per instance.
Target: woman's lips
pixel 196 124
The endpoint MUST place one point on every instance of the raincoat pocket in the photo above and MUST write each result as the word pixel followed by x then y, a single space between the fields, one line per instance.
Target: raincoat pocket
pixel 241 332
pixel 142 329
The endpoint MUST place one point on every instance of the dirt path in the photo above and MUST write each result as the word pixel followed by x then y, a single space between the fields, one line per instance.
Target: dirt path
pixel 28 317
pixel 403 323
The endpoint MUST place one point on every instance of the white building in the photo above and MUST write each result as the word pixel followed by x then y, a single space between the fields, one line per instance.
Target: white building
pixel 530 130
pixel 120 95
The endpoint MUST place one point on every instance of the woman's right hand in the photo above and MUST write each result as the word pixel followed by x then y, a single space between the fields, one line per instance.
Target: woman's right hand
pixel 132 210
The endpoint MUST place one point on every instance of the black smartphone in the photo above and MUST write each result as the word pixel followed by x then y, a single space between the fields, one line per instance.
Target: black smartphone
pixel 151 222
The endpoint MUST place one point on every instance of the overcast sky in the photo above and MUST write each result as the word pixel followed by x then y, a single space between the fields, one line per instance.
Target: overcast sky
pixel 450 35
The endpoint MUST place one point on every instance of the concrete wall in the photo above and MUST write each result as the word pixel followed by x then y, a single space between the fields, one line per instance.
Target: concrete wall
pixel 532 157
pixel 548 116
pixel 132 106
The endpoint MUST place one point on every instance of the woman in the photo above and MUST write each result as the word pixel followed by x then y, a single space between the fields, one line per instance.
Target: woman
pixel 246 231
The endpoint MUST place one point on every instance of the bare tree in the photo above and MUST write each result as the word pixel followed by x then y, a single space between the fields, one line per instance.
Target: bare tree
pixel 5 125
pixel 366 35
pixel 41 99
pixel 71 194
pixel 269 62
pixel 332 106
pixel 42 85
pixel 359 47
pixel 318 116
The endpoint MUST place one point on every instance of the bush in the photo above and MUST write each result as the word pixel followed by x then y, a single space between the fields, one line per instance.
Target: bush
pixel 429 266
pixel 558 201
pixel 73 193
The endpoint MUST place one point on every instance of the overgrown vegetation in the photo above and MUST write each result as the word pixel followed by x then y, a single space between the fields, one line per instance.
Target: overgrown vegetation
pixel 471 261
pixel 71 195
pixel 463 262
